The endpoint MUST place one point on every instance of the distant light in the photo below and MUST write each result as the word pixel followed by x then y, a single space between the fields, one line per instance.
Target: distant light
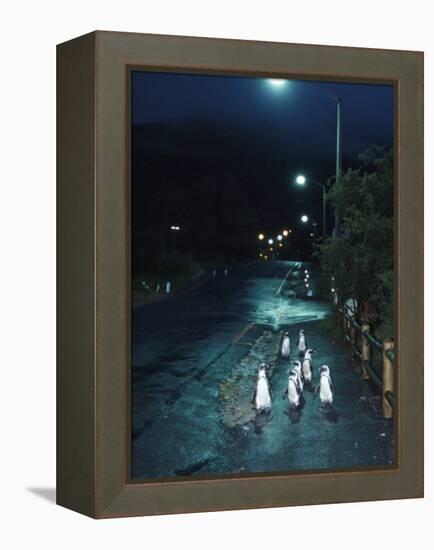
pixel 277 82
pixel 311 234
pixel 304 218
pixel 285 232
pixel 307 275
pixel 270 241
pixel 333 290
pixel 307 285
pixel 261 236
pixel 279 237
pixel 301 180
pixel 280 244
pixel 175 228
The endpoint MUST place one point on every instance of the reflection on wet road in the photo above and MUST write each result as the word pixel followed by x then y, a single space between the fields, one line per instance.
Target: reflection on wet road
pixel 186 346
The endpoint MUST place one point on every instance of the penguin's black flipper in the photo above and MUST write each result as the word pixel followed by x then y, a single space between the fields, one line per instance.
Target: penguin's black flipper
pixel 254 397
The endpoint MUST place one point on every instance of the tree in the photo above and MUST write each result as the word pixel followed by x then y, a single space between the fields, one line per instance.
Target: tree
pixel 361 256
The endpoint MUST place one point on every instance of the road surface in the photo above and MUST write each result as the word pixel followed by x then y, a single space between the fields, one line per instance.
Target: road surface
pixel 186 346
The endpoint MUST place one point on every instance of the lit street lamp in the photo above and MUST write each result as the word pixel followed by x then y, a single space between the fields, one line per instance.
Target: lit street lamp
pixel 261 236
pixel 270 241
pixel 285 232
pixel 279 237
pixel 174 229
pixel 277 82
pixel 301 180
pixel 304 218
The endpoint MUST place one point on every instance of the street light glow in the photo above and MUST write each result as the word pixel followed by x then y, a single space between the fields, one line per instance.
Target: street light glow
pixel 301 180
pixel 285 233
pixel 270 241
pixel 277 82
pixel 279 237
pixel 304 218
pixel 261 236
pixel 175 227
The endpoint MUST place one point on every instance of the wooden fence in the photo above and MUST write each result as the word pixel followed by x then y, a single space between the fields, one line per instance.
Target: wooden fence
pixel 363 347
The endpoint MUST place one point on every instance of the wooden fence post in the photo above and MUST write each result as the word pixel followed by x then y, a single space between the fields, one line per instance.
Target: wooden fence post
pixel 387 378
pixel 366 350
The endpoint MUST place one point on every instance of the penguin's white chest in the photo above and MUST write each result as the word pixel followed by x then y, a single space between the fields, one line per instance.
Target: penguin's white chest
pixel 307 370
pixel 293 395
pixel 325 391
pixel 286 347
pixel 263 397
pixel 302 344
pixel 299 378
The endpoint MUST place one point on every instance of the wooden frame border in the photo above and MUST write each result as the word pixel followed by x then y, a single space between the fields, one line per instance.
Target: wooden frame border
pixel 93 273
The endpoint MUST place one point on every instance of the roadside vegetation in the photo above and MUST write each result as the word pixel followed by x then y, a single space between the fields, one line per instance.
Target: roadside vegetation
pixel 360 258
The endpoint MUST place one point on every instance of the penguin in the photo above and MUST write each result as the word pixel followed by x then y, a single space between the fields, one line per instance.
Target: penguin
pixel 264 367
pixel 298 370
pixel 293 391
pixel 325 387
pixel 262 396
pixel 286 346
pixel 307 366
pixel 301 343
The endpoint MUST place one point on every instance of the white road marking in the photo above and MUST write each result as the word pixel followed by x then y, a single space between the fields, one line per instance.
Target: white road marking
pixel 286 276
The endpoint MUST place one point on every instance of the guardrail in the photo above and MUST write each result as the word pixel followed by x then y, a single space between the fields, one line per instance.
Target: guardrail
pixel 363 344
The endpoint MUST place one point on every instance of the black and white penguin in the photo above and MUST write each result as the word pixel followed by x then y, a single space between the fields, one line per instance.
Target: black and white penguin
pixel 325 387
pixel 301 342
pixel 262 396
pixel 293 391
pixel 298 370
pixel 286 346
pixel 307 366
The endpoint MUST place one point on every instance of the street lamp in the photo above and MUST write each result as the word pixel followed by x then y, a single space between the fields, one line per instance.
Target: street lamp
pixel 277 82
pixel 261 236
pixel 270 241
pixel 304 218
pixel 285 232
pixel 174 229
pixel 279 237
pixel 301 180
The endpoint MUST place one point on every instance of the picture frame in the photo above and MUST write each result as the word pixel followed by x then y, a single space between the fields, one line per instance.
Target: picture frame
pixel 94 296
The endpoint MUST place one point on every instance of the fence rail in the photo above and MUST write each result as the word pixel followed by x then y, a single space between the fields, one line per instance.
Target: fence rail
pixel 353 332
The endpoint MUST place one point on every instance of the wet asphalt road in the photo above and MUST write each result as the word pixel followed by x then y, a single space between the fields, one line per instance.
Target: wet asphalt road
pixel 185 346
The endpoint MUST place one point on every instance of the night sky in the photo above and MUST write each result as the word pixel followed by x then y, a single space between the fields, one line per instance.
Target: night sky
pixel 243 133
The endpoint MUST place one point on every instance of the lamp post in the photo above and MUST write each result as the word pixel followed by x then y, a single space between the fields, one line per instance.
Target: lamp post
pixel 279 84
pixel 174 229
pixel 301 180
